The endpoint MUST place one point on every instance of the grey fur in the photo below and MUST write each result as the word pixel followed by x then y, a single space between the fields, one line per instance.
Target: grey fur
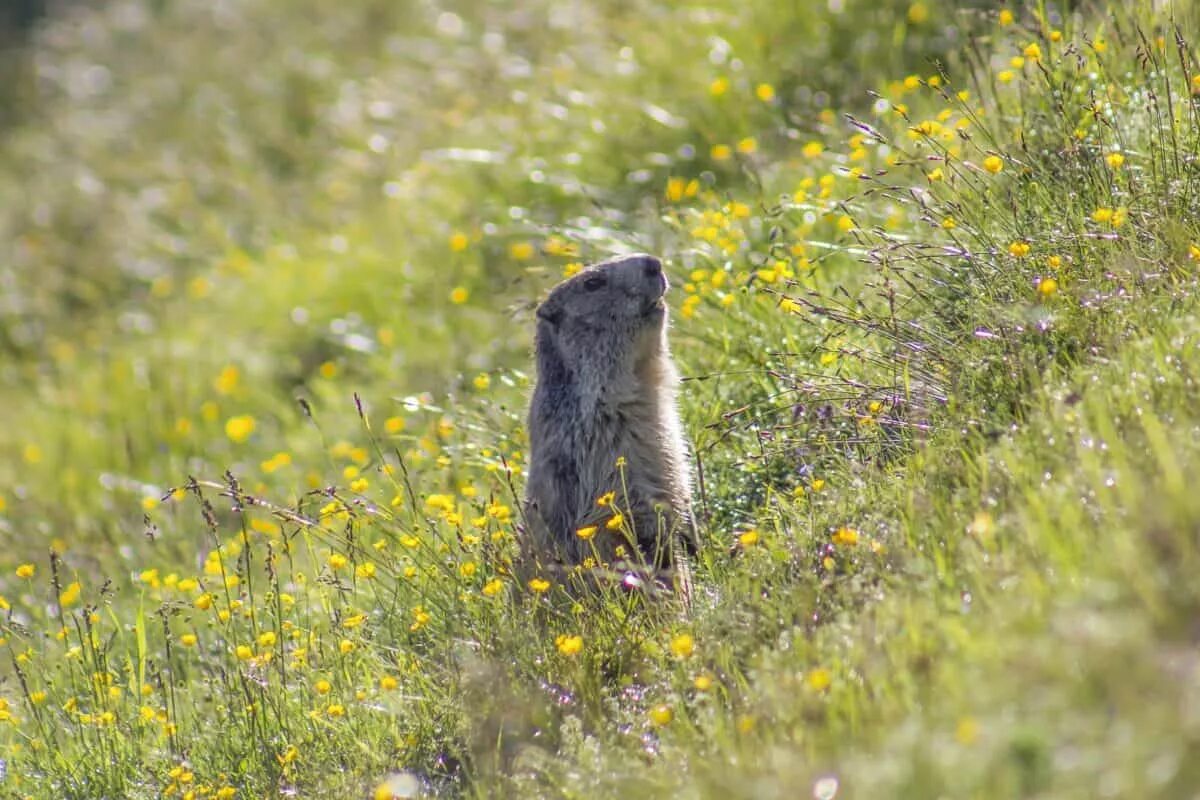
pixel 606 389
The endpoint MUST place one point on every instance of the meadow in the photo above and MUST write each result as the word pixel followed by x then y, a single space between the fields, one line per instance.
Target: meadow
pixel 266 315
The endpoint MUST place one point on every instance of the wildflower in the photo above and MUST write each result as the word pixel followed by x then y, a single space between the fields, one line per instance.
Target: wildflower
pixel 748 538
pixel 365 570
pixel 388 683
pixel 337 561
pixel 918 13
pixel 966 731
pixel 266 639
pixel 1100 45
pixel 1018 249
pixel 482 381
pixel 819 679
pixel 703 682
pixel 1054 262
pixel 949 224
pixel 539 585
pixel 354 621
pixel 345 646
pixel 661 716
pixel 244 652
pixel 1194 252
pixel 1016 62
pixel 683 645
pixel 275 462
pixel 70 595
pixel 574 268
pixel 1102 215
pixel 335 710
pixel 521 251
pixel 393 425
pixel 225 793
pixel 747 145
pixel 606 499
pixel 459 295
pixel 327 370
pixel 721 152
pixel 847 537
pixel 936 174
pixel 1033 51
pixel 1047 287
pixel 615 521
pixel 1056 36
pixel 1115 160
pixel 239 428
pixel 993 164
pixel 322 686
pixel 586 533
pixel 765 92
pixel 1004 76
pixel 492 587
pixel 718 87
pixel 812 149
pixel 203 602
pixel 26 571
pixel 1006 17
pixel 459 242
pixel 569 645
pixel 188 640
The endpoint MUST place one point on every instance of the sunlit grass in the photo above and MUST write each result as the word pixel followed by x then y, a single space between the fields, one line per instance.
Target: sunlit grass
pixel 268 318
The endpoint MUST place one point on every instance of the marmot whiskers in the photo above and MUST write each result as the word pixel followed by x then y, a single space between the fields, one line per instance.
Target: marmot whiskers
pixel 604 432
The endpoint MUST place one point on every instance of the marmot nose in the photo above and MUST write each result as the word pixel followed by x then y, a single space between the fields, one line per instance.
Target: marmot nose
pixel 651 266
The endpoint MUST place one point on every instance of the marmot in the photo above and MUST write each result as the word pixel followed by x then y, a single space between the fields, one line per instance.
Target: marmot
pixel 604 431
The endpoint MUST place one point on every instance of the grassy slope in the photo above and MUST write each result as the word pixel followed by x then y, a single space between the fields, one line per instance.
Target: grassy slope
pixel 967 488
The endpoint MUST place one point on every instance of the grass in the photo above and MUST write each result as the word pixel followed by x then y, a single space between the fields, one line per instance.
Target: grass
pixel 267 310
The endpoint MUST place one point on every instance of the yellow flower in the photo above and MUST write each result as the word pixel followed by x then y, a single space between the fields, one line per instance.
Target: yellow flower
pixel 393 425
pixel 1194 252
pixel 337 561
pixel 615 521
pixel 354 621
pixel 1099 45
pixel 747 146
pixel 819 679
pixel 244 652
pixel 459 242
pixel 993 164
pixel 1018 249
pixel 949 224
pixel 966 731
pixel 1005 76
pixel 661 715
pixel 335 710
pixel 918 13
pixel 26 571
pixel 683 645
pixel 459 295
pixel 70 595
pixel 845 536
pixel 539 585
pixel 1054 262
pixel 346 646
pixel 492 587
pixel 1006 17
pixel 574 268
pixel 606 499
pixel 586 533
pixel 239 428
pixel 1102 215
pixel 812 149
pixel 226 382
pixel 748 538
pixel 482 381
pixel 765 92
pixel 388 683
pixel 366 570
pixel 1033 51
pixel 322 686
pixel 718 87
pixel 569 645
pixel 203 602
pixel 721 152
pixel 266 639
pixel 327 370
pixel 1047 286
pixel 703 682
pixel 1115 160
pixel 188 640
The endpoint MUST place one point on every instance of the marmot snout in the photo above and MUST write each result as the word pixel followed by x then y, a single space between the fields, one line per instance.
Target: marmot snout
pixel 605 394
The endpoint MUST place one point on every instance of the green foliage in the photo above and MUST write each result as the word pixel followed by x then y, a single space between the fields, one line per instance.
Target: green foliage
pixel 267 310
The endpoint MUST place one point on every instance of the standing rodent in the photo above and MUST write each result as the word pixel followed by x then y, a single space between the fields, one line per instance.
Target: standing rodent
pixel 606 393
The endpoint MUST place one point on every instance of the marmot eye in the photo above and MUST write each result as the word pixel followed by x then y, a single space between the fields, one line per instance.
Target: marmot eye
pixel 595 282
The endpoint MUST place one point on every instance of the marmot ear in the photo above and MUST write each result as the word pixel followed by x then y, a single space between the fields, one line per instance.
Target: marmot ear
pixel 551 315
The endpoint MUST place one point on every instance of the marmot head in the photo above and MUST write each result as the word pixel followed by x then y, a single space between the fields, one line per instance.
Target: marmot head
pixel 613 311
